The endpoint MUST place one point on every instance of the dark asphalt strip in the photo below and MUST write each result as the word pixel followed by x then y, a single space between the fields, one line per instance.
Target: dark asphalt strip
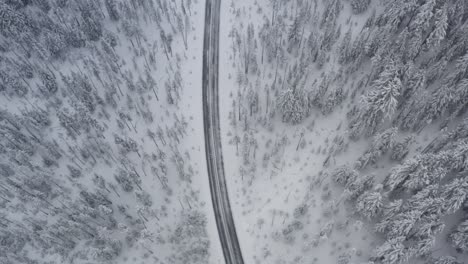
pixel 219 193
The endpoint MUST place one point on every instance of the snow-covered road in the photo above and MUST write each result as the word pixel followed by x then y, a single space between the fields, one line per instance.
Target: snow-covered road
pixel 218 188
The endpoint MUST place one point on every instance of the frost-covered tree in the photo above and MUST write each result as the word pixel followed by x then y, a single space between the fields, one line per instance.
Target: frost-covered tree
pixel 459 237
pixel 13 20
pixel 381 143
pixel 345 258
pixel 49 82
pixel 91 26
pixel 353 189
pixel 360 6
pixel 392 251
pixel 426 169
pixel 191 238
pixel 380 103
pixel 455 194
pixel 401 149
pixel 249 55
pixel 369 204
pixel 344 49
pixel 444 260
pixel 440 28
pixel 424 246
pixel 293 106
pixel 344 174
pixel 112 10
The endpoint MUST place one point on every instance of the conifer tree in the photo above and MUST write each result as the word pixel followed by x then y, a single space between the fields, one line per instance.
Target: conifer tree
pixel 380 103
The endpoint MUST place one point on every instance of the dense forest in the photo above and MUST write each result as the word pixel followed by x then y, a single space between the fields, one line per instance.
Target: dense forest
pixel 344 127
pixel 94 160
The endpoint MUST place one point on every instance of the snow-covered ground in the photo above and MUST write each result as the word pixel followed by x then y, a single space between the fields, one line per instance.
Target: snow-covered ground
pixel 287 208
pixel 264 201
pixel 191 107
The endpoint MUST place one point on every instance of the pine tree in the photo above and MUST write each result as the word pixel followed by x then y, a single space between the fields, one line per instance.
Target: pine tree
pixel 344 49
pixel 91 26
pixel 420 171
pixel 344 175
pixel 380 103
pixel 440 28
pixel 49 82
pixel 359 6
pixel 455 194
pixel 459 237
pixel 369 204
pixel 428 227
pixel 380 145
pixel 400 224
pixel 401 149
pixel 345 258
pixel 12 22
pixel 391 209
pixel 294 34
pixel 112 9
pixel 353 189
pixel 424 246
pixel 392 251
pixel 293 106
pixel 444 260
pixel 422 21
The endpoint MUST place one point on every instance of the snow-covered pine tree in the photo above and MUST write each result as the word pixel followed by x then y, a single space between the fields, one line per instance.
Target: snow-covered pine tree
pixel 444 260
pixel 380 103
pixel 344 174
pixel 353 189
pixel 459 237
pixel 360 6
pixel 440 28
pixel 401 149
pixel 369 204
pixel 392 251
pixel 381 143
pixel 293 106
